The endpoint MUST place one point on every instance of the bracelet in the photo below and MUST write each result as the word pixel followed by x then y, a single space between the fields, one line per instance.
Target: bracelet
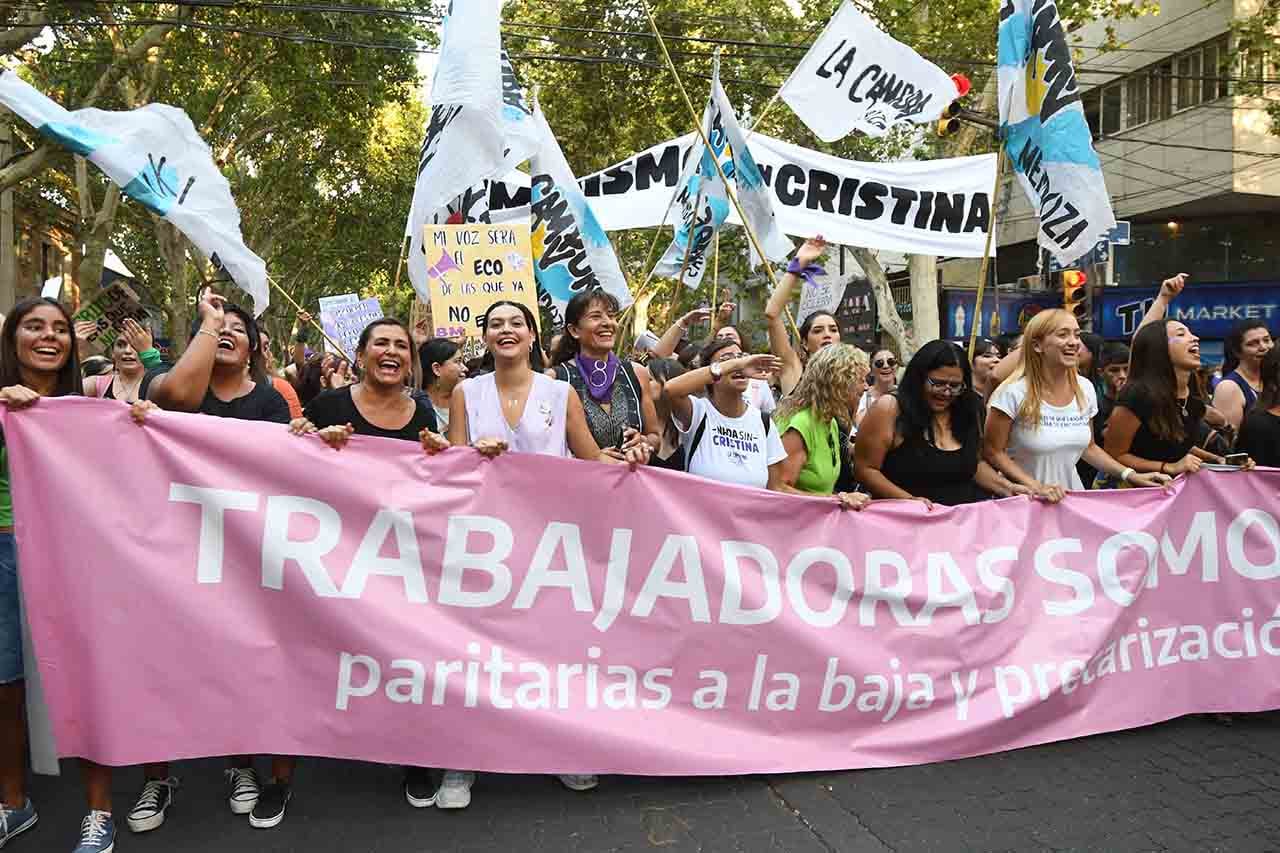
pixel 149 357
pixel 213 335
pixel 1125 474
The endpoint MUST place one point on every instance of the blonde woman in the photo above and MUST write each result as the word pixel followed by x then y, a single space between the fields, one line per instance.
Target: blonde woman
pixel 1039 420
pixel 810 419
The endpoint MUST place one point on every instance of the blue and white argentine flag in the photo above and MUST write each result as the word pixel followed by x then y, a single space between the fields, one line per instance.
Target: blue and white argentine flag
pixel 571 251
pixel 1045 132
pixel 159 160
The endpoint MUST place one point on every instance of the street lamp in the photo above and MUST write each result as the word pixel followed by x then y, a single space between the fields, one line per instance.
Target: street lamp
pixel 1174 228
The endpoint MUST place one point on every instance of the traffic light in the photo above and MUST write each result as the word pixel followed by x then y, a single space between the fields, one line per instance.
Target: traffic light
pixel 949 123
pixel 1075 297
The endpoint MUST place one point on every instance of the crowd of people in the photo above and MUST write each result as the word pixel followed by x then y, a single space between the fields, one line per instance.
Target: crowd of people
pixel 1043 414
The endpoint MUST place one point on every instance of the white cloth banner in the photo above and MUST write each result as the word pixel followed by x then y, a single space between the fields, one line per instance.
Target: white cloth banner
pixel 572 253
pixel 856 77
pixel 936 207
pixel 159 160
pixel 1047 137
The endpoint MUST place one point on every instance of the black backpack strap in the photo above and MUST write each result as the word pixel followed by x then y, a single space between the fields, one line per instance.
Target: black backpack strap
pixel 768 422
pixel 697 439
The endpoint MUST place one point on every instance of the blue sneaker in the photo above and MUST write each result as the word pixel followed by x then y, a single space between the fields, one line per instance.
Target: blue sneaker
pixel 97 833
pixel 14 821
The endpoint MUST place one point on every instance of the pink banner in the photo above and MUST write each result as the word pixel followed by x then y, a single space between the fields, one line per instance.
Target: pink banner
pixel 199 587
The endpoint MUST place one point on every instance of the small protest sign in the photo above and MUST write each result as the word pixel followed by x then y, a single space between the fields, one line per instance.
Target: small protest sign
pixel 345 321
pixel 109 310
pixel 470 267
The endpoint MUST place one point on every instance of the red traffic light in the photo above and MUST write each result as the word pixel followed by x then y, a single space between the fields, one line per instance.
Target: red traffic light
pixel 1074 278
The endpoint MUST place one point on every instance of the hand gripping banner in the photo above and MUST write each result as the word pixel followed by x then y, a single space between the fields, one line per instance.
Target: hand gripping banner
pixel 239 590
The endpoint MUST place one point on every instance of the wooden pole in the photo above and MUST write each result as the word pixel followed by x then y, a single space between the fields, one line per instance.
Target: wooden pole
pixel 404 250
pixel 280 289
pixel 715 285
pixel 986 256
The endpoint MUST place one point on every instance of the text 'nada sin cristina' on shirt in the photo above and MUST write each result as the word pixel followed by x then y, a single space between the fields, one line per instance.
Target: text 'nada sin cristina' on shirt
pixel 1050 449
pixel 732 450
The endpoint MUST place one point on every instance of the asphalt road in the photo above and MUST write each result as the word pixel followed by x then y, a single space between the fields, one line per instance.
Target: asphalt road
pixel 1189 785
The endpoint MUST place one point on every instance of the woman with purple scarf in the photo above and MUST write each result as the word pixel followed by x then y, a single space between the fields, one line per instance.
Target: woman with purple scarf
pixel 614 393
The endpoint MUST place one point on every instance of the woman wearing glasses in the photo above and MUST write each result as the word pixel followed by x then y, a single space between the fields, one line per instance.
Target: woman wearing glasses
pixel 923 441
pixel 884 378
pixel 1040 419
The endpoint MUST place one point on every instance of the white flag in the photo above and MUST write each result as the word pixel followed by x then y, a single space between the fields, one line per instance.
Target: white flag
pixel 704 206
pixel 753 196
pixel 856 77
pixel 572 252
pixel 159 160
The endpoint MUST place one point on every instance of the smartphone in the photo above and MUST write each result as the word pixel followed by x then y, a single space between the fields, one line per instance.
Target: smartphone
pixel 1236 459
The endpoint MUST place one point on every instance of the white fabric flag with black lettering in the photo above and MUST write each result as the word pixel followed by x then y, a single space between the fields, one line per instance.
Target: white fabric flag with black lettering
pixel 857 77
pixel 158 159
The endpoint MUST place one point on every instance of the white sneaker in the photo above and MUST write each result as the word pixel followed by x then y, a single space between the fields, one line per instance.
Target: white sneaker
pixel 455 789
pixel 579 782
pixel 242 789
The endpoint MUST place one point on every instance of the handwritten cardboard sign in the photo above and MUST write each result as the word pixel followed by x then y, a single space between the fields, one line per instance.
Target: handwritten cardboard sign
pixel 470 267
pixel 109 309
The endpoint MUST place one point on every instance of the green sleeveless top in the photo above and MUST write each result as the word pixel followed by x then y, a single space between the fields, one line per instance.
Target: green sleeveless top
pixel 822 444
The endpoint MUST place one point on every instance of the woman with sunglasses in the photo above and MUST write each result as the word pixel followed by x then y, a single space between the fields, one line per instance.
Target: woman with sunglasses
pixel 884 378
pixel 818 330
pixel 511 405
pixel 923 442
pixel 1040 419
pixel 810 419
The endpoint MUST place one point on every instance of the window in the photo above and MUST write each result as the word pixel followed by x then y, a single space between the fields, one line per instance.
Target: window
pixel 1136 100
pixel 1091 101
pixel 1215 68
pixel 1161 105
pixel 1189 80
pixel 1111 103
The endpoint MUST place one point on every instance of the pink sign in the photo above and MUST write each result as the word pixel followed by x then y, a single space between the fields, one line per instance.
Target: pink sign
pixel 199 587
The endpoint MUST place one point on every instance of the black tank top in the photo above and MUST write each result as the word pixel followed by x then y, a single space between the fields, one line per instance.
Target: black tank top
pixel 943 476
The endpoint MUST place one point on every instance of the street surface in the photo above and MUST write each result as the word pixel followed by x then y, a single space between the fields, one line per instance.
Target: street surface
pixel 1189 785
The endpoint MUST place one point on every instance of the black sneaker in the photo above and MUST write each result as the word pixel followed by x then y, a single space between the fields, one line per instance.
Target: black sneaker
pixel 419 789
pixel 153 802
pixel 269 810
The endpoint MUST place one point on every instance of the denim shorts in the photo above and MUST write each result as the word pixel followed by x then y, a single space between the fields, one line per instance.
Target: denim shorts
pixel 11 669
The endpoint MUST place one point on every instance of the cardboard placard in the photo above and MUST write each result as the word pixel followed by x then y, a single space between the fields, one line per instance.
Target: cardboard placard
pixel 109 309
pixel 470 267
pixel 344 323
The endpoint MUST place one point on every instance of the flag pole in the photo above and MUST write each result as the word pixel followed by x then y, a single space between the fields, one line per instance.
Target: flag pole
pixel 986 255
pixel 688 246
pixel 404 250
pixel 279 289
pixel 693 114
pixel 715 284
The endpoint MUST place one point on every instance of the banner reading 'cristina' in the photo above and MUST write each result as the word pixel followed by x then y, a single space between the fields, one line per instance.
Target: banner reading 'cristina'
pixel 232 589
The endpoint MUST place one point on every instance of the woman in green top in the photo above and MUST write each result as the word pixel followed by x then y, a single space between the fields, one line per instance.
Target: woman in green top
pixel 810 417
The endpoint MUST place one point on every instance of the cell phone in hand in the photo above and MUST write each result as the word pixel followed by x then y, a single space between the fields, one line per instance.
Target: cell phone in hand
pixel 1236 459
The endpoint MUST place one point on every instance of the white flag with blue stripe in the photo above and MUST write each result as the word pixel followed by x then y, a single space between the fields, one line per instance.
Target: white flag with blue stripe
pixel 1045 132
pixel 571 251
pixel 159 160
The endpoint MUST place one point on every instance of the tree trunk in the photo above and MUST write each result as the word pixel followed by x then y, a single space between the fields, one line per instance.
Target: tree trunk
pixel 96 236
pixel 173 249
pixel 886 309
pixel 924 298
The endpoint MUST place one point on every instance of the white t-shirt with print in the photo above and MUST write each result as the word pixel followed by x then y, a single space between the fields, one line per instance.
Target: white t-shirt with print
pixel 732 450
pixel 760 395
pixel 1050 452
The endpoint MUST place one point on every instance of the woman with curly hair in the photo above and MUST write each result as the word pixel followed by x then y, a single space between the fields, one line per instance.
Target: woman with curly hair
pixel 811 417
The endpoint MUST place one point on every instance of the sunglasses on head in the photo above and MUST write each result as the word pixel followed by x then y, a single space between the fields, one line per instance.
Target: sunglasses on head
pixel 884 362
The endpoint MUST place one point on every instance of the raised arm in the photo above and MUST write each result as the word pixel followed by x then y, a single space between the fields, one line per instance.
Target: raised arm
pixel 678 390
pixel 666 346
pixel 1169 290
pixel 776 310
pixel 184 387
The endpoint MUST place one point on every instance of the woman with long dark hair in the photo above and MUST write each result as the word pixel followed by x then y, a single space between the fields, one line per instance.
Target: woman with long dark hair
pixel 724 438
pixel 614 393
pixel 1245 347
pixel 670 454
pixel 221 373
pixel 442 370
pixel 818 330
pixel 986 355
pixel 1260 434
pixel 130 352
pixel 1156 421
pixel 515 407
pixel 923 442
pixel 37 359
pixel 1040 419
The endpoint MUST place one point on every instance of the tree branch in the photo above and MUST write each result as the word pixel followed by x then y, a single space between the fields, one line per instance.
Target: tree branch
pixel 28 27
pixel 886 309
pixel 232 87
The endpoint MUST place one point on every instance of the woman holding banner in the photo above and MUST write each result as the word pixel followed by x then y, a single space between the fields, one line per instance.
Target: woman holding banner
pixel 222 373
pixel 37 359
pixel 132 353
pixel 442 370
pixel 516 407
pixel 1040 419
pixel 818 330
pixel 614 393
pixel 815 415
pixel 1156 420
pixel 923 442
